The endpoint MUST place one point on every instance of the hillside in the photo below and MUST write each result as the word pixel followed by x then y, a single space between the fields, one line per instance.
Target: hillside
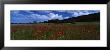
pixel 84 18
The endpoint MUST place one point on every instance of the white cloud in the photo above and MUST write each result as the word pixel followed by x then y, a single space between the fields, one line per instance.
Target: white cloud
pixel 39 17
pixel 84 13
pixel 55 16
pixel 49 16
pixel 76 13
pixel 66 17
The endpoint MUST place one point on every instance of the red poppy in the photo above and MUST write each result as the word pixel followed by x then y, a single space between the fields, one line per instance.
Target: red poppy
pixel 60 33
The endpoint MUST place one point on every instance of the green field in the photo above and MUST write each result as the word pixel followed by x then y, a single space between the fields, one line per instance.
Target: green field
pixel 56 31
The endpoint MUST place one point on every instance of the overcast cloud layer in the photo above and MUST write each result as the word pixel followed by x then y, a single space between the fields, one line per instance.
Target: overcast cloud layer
pixel 26 16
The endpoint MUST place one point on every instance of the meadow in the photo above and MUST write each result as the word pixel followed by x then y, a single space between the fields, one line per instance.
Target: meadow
pixel 56 31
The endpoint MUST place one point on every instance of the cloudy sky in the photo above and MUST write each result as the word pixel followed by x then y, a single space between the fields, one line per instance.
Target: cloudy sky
pixel 26 16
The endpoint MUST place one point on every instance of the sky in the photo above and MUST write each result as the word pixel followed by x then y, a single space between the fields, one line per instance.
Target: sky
pixel 28 16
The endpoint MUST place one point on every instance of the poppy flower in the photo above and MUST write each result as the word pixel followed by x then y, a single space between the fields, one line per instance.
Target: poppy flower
pixel 60 33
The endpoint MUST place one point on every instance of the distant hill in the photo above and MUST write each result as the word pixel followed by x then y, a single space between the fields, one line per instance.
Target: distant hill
pixel 84 18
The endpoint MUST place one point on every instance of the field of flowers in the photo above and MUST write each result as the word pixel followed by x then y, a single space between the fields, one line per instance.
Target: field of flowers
pixel 52 31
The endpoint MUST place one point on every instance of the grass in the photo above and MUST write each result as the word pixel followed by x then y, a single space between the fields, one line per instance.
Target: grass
pixel 51 31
